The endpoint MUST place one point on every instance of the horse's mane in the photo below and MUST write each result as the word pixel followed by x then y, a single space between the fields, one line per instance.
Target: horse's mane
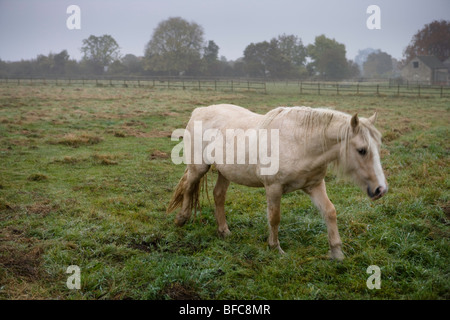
pixel 305 116
pixel 310 120
pixel 314 122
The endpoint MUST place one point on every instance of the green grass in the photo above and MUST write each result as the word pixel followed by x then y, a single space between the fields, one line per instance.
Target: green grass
pixel 85 180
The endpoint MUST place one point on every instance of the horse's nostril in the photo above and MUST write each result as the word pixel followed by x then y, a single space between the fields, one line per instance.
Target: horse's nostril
pixel 377 191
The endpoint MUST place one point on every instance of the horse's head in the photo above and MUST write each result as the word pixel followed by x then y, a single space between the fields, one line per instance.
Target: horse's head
pixel 362 153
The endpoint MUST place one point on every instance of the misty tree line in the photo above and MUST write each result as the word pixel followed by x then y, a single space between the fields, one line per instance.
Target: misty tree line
pixel 178 48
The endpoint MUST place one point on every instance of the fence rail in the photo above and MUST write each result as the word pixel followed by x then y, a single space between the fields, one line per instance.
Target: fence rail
pixel 363 88
pixel 162 83
pixel 386 88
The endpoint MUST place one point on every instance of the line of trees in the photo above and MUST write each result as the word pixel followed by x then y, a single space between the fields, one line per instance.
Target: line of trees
pixel 177 47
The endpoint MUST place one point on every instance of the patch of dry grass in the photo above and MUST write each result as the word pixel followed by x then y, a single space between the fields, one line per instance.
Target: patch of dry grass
pixel 37 177
pixel 157 154
pixel 20 265
pixel 105 159
pixel 78 139
pixel 95 158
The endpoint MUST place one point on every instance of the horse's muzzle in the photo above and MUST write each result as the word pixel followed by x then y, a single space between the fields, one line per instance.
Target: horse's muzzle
pixel 378 193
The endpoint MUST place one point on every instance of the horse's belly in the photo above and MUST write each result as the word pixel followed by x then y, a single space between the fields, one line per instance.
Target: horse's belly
pixel 304 180
pixel 240 174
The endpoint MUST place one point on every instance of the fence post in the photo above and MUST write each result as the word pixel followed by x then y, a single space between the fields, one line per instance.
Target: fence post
pixel 301 87
pixel 232 88
pixel 357 88
pixel 378 89
pixel 337 88
pixel 318 88
pixel 398 90
pixel 215 85
pixel 441 91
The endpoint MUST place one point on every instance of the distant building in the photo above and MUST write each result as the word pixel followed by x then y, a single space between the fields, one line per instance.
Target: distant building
pixel 447 65
pixel 426 70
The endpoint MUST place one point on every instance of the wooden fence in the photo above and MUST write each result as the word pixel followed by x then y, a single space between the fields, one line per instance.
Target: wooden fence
pixel 160 83
pixel 248 85
pixel 360 88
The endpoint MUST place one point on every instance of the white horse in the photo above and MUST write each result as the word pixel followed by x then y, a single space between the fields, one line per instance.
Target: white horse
pixel 307 141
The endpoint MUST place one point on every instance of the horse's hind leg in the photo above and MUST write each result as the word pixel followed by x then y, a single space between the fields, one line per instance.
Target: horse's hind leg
pixel 220 191
pixel 273 195
pixel 319 196
pixel 191 192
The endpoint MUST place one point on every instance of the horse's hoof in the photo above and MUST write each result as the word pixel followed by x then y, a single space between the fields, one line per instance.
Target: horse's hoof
pixel 180 221
pixel 224 233
pixel 277 247
pixel 336 255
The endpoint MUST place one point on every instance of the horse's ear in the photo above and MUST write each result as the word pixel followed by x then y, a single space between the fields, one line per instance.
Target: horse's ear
pixel 354 122
pixel 373 118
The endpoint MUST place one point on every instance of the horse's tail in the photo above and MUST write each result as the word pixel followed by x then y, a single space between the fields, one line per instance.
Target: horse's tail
pixel 194 199
pixel 178 195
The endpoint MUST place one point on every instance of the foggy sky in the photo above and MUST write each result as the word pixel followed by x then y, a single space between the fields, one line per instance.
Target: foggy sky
pixel 32 27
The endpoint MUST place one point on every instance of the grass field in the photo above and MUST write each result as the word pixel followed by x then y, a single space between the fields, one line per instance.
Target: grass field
pixel 86 174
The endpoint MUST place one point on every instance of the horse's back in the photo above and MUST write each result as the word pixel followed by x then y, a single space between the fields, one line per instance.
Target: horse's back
pixel 227 116
pixel 223 109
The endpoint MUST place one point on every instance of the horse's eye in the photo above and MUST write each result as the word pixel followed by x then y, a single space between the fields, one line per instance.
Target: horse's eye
pixel 362 151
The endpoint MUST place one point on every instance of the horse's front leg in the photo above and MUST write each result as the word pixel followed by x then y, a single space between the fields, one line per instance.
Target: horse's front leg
pixel 273 195
pixel 319 197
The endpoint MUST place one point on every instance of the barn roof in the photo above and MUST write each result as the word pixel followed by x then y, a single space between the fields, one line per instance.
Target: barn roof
pixel 447 63
pixel 432 62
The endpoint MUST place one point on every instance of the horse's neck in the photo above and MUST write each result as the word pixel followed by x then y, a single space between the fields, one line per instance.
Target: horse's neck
pixel 326 156
pixel 329 145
